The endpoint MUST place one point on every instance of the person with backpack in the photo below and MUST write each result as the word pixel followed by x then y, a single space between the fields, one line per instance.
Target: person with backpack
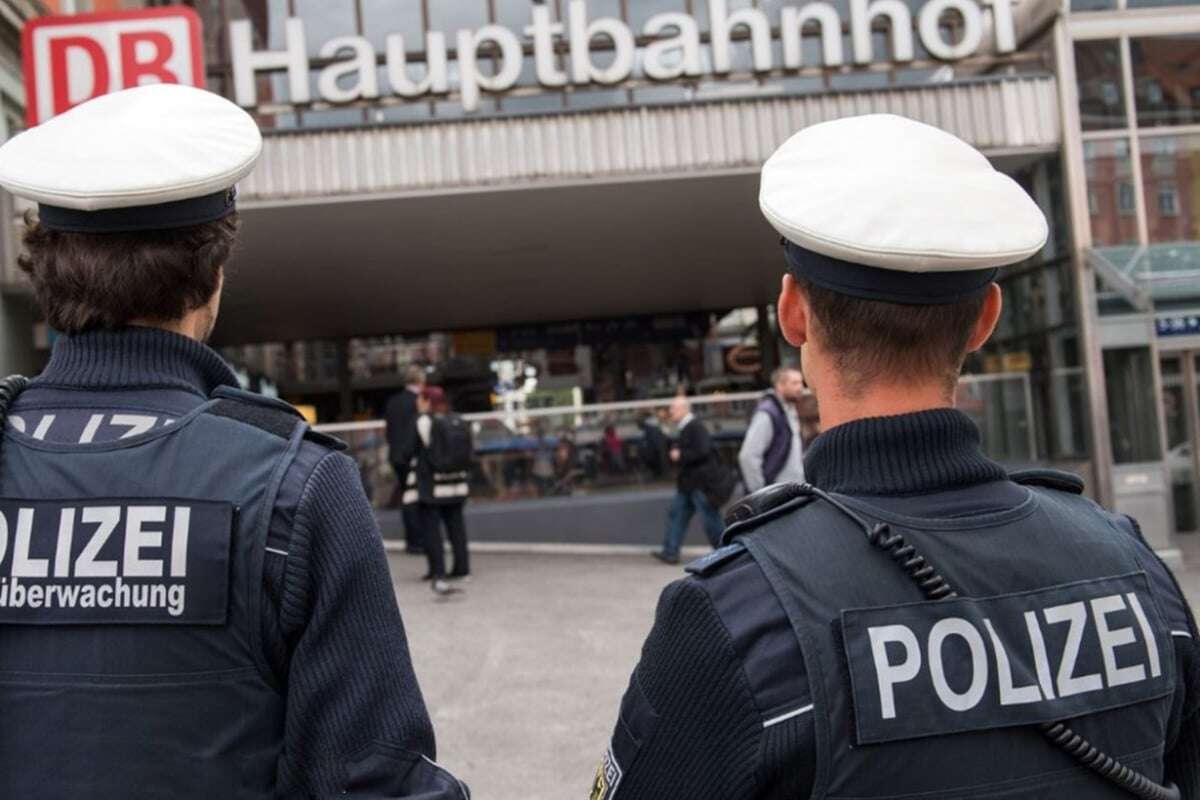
pixel 772 451
pixel 442 472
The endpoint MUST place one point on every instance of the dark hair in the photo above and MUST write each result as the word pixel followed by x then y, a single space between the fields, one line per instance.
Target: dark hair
pixel 870 339
pixel 85 281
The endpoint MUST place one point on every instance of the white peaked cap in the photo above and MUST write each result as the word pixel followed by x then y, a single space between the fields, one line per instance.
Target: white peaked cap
pixel 888 192
pixel 143 147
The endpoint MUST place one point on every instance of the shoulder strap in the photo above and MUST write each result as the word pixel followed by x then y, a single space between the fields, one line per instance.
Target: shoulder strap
pixel 762 506
pixel 268 414
pixel 1049 479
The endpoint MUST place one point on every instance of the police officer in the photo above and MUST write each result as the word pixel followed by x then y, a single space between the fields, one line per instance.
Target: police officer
pixel 194 599
pixel 915 623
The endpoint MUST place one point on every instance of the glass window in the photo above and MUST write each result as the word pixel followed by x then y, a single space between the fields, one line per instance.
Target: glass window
pixel 1092 5
pixel 382 17
pixel 642 10
pixel 1179 442
pixel 1133 419
pixel 1171 171
pixel 326 19
pixel 1166 80
pixel 1098 69
pixel 1108 167
pixel 597 9
pixel 452 16
pixel 1168 200
pixel 1155 3
pixel 518 14
pixel 1125 202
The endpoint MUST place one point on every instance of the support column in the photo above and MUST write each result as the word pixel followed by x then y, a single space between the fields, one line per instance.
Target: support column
pixel 1075 183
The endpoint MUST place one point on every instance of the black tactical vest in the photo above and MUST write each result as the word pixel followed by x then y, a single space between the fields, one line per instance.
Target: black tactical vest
pixel 130 581
pixel 940 699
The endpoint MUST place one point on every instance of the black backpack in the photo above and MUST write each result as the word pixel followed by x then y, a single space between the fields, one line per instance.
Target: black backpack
pixel 451 448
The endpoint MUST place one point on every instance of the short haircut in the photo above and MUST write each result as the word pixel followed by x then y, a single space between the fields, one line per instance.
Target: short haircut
pixel 414 375
pixel 87 281
pixel 871 340
pixel 779 373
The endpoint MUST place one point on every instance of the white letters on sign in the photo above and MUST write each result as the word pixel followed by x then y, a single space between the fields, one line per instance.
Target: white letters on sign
pixel 674 50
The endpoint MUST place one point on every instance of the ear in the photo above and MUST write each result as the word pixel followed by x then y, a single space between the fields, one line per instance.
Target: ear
pixel 793 312
pixel 989 315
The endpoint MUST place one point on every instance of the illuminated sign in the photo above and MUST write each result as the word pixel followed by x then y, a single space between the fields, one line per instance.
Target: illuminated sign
pixel 70 59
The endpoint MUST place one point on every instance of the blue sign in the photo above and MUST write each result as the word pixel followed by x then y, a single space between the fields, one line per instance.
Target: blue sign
pixel 1178 326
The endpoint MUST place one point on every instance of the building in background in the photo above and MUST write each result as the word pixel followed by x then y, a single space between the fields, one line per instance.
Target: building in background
pixel 555 203
pixel 17 351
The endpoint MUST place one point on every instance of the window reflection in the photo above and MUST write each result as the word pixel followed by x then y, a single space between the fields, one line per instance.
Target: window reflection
pixel 1166 80
pixel 1111 201
pixel 1101 100
pixel 1171 173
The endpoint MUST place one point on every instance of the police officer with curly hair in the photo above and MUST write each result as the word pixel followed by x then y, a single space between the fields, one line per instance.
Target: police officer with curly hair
pixel 194 598
pixel 914 621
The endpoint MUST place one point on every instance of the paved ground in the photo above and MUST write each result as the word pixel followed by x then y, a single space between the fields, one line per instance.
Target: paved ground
pixel 523 674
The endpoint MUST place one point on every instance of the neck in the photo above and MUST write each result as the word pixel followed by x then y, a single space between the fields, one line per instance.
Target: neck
pixel 837 407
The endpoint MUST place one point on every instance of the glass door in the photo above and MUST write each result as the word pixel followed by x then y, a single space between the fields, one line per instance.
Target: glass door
pixel 1181 413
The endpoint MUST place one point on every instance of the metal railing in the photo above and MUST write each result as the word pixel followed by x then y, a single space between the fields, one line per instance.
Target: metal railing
pixel 525 454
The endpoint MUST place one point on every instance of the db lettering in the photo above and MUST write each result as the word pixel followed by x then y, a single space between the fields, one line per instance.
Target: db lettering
pixel 70 59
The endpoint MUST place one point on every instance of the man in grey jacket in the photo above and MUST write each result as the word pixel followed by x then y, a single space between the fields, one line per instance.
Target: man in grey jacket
pixel 772 452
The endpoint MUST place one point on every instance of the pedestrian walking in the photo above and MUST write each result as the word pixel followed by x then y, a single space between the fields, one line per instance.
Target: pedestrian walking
pixel 700 471
pixel 400 416
pixel 914 621
pixel 654 448
pixel 219 620
pixel 442 486
pixel 772 451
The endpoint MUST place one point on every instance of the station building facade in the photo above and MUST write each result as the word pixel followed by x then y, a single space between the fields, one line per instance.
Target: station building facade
pixel 568 190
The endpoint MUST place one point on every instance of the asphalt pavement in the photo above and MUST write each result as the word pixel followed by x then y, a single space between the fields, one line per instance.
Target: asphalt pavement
pixel 523 673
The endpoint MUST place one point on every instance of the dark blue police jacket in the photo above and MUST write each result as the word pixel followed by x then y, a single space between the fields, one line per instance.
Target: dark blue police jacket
pixel 132 652
pixel 1060 623
pixel 128 589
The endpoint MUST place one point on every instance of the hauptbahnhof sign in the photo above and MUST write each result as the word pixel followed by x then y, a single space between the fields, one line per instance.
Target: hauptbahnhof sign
pixel 675 51
pixel 73 58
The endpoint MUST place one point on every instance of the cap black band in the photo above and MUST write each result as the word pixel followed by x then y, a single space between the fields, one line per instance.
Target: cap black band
pixel 887 285
pixel 162 216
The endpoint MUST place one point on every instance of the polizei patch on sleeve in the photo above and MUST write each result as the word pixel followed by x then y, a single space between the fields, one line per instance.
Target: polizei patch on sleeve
pixel 933 668
pixel 114 561
pixel 608 778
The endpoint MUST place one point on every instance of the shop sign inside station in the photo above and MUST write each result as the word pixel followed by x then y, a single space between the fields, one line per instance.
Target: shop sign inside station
pixel 351 74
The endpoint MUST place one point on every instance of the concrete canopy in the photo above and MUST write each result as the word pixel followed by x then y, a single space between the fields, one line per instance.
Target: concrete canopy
pixel 486 259
pixel 483 259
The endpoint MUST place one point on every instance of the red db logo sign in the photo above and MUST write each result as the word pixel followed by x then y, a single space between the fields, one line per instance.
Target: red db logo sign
pixel 74 58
